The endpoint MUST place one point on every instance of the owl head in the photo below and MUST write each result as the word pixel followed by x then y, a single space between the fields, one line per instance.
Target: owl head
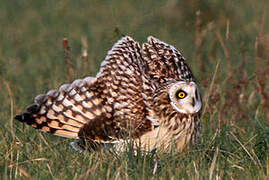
pixel 185 97
pixel 171 78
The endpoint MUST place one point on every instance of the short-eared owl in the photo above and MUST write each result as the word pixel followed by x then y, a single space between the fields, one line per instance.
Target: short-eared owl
pixel 146 94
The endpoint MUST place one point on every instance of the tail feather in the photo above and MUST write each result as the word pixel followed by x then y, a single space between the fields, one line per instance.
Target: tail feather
pixel 60 112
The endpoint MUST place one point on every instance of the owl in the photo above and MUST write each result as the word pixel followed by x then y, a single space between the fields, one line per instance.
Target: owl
pixel 147 95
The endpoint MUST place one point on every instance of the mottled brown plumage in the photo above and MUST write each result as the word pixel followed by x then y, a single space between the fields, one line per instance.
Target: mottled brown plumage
pixel 143 94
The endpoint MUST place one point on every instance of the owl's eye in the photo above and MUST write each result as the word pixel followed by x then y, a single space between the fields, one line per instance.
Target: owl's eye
pixel 181 94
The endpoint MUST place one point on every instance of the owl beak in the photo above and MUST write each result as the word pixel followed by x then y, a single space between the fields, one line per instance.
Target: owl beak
pixel 197 106
pixel 193 102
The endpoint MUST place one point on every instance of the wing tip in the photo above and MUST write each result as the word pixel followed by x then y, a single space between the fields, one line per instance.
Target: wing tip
pixel 124 39
pixel 152 38
pixel 25 117
pixel 19 117
pixel 28 119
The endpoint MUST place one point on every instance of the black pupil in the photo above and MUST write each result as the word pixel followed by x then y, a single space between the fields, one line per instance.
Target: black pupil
pixel 181 94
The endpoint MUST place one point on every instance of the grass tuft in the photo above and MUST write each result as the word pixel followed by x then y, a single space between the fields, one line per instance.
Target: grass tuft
pixel 225 43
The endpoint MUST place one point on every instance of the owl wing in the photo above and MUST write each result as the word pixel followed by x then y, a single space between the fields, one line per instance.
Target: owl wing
pixel 65 111
pixel 122 77
pixel 97 108
pixel 162 64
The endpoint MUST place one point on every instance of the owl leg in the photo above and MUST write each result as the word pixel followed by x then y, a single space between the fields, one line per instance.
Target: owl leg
pixel 78 145
pixel 82 145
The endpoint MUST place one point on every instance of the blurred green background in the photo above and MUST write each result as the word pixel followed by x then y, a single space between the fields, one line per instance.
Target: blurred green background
pixel 231 34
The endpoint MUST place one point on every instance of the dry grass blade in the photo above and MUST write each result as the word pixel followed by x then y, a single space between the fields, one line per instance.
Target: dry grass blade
pixel 213 164
pixel 226 52
pixel 245 149
pixel 197 175
pixel 227 34
pixel 31 160
pixel 11 106
pixel 209 91
pixel 50 171
pixel 24 172
pixel 68 60
pixel 155 165
pixel 262 68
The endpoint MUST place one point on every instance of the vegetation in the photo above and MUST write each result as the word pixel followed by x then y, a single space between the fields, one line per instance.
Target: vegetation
pixel 226 44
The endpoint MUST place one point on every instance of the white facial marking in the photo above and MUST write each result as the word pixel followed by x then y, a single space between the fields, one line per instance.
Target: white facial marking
pixel 190 103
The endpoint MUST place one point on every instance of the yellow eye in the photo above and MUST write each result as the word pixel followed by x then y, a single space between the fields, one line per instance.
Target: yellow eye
pixel 181 94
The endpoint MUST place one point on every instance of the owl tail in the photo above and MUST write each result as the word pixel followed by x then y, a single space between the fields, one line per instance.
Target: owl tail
pixel 62 112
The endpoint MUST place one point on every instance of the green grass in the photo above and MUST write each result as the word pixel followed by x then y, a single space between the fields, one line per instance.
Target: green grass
pixel 219 45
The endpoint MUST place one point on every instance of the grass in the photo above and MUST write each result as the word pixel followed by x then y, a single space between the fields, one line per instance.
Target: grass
pixel 225 43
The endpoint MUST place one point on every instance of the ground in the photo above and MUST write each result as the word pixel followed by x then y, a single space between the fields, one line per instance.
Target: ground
pixel 225 43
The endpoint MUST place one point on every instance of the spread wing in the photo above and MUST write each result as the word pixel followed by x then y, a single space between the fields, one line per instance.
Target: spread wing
pixel 99 109
pixel 63 112
pixel 121 74
pixel 162 64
